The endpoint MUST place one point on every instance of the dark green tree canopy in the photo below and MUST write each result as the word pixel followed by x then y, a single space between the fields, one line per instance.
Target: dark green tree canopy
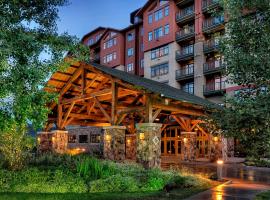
pixel 30 51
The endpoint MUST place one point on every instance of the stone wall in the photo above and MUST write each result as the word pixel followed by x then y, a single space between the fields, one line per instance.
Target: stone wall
pixel 92 146
pixel 44 141
pixel 189 146
pixel 131 147
pixel 113 141
pixel 149 144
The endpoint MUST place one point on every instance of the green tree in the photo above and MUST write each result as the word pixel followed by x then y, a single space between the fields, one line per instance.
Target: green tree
pixel 30 51
pixel 246 46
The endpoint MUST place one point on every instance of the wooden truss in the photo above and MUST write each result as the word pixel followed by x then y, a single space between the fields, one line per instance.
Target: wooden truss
pixel 89 97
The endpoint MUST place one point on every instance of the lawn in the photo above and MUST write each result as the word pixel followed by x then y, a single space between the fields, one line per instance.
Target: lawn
pixel 263 196
pixel 53 177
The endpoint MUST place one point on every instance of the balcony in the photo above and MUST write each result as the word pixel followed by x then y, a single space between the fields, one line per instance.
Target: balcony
pixel 211 46
pixel 183 2
pixel 213 24
pixel 214 89
pixel 208 5
pixel 184 55
pixel 213 67
pixel 184 74
pixel 185 34
pixel 185 15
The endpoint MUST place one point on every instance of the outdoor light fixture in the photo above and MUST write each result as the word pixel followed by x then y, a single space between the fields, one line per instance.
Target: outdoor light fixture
pixel 53 138
pixel 108 137
pixel 128 141
pixel 166 102
pixel 38 140
pixel 185 140
pixel 220 162
pixel 141 136
pixel 216 139
pixel 196 129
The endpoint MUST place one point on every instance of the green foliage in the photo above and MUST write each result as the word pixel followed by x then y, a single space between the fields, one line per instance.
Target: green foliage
pixel 263 196
pixel 115 183
pixel 90 168
pixel 246 50
pixel 34 180
pixel 252 161
pixel 15 146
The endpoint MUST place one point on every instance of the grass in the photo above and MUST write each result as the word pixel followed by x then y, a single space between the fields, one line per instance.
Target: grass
pixel 159 195
pixel 263 196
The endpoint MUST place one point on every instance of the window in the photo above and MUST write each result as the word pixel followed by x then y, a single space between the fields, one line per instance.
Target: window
pixel 95 138
pixel 130 37
pixel 187 49
pixel 167 11
pixel 109 57
pixel 142 63
pixel 189 88
pixel 158 32
pixel 91 41
pixel 130 67
pixel 160 70
pixel 83 138
pixel 220 83
pixel 110 43
pixel 72 139
pixel 166 29
pixel 98 37
pixel 130 52
pixel 188 69
pixel 158 15
pixel 150 36
pixel 159 52
pixel 150 19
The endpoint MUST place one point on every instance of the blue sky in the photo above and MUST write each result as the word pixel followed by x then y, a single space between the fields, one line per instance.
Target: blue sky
pixel 82 16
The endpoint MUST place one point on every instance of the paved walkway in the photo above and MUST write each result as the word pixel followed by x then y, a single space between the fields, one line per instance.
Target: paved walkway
pixel 245 182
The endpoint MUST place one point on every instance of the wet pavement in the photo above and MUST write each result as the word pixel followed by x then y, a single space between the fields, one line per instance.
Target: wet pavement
pixel 244 182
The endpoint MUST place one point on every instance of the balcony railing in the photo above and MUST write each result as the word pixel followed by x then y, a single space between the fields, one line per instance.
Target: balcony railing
pixel 183 2
pixel 213 24
pixel 185 34
pixel 211 46
pixel 214 89
pixel 212 67
pixel 209 4
pixel 184 55
pixel 185 15
pixel 184 74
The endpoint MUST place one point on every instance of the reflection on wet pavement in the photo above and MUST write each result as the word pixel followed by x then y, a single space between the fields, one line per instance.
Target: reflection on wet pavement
pixel 246 182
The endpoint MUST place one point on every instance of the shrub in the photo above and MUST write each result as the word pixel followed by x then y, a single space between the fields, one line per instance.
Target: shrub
pixel 36 181
pixel 115 183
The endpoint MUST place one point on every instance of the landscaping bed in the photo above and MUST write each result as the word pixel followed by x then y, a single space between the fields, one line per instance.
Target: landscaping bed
pixel 84 177
pixel 263 196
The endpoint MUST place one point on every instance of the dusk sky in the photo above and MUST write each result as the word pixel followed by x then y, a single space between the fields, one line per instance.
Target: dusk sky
pixel 82 16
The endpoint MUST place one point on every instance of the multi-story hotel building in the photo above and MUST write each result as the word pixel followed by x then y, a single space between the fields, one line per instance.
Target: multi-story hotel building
pixel 171 41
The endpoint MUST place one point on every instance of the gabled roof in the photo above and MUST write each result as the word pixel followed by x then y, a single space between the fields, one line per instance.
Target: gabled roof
pixel 156 87
pixel 93 31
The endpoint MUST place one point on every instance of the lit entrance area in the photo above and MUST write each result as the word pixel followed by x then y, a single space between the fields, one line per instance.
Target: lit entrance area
pixel 171 142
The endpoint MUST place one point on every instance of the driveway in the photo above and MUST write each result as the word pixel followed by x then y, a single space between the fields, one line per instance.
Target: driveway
pixel 245 182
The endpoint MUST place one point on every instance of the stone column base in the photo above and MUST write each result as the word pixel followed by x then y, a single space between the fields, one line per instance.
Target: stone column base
pixel 114 143
pixel 149 144
pixel 59 141
pixel 131 147
pixel 189 147
pixel 44 142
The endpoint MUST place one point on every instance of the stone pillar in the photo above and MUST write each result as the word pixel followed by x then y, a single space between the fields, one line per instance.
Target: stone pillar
pixel 189 147
pixel 199 60
pixel 149 144
pixel 44 142
pixel 59 141
pixel 114 143
pixel 131 146
pixel 224 143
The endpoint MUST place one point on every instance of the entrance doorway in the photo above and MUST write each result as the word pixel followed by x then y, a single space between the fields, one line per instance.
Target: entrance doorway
pixel 171 142
pixel 202 145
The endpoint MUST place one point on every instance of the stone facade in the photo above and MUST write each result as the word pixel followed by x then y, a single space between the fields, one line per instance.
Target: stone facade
pixel 114 143
pixel 148 144
pixel 189 147
pixel 92 145
pixel 59 141
pixel 131 147
pixel 44 140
